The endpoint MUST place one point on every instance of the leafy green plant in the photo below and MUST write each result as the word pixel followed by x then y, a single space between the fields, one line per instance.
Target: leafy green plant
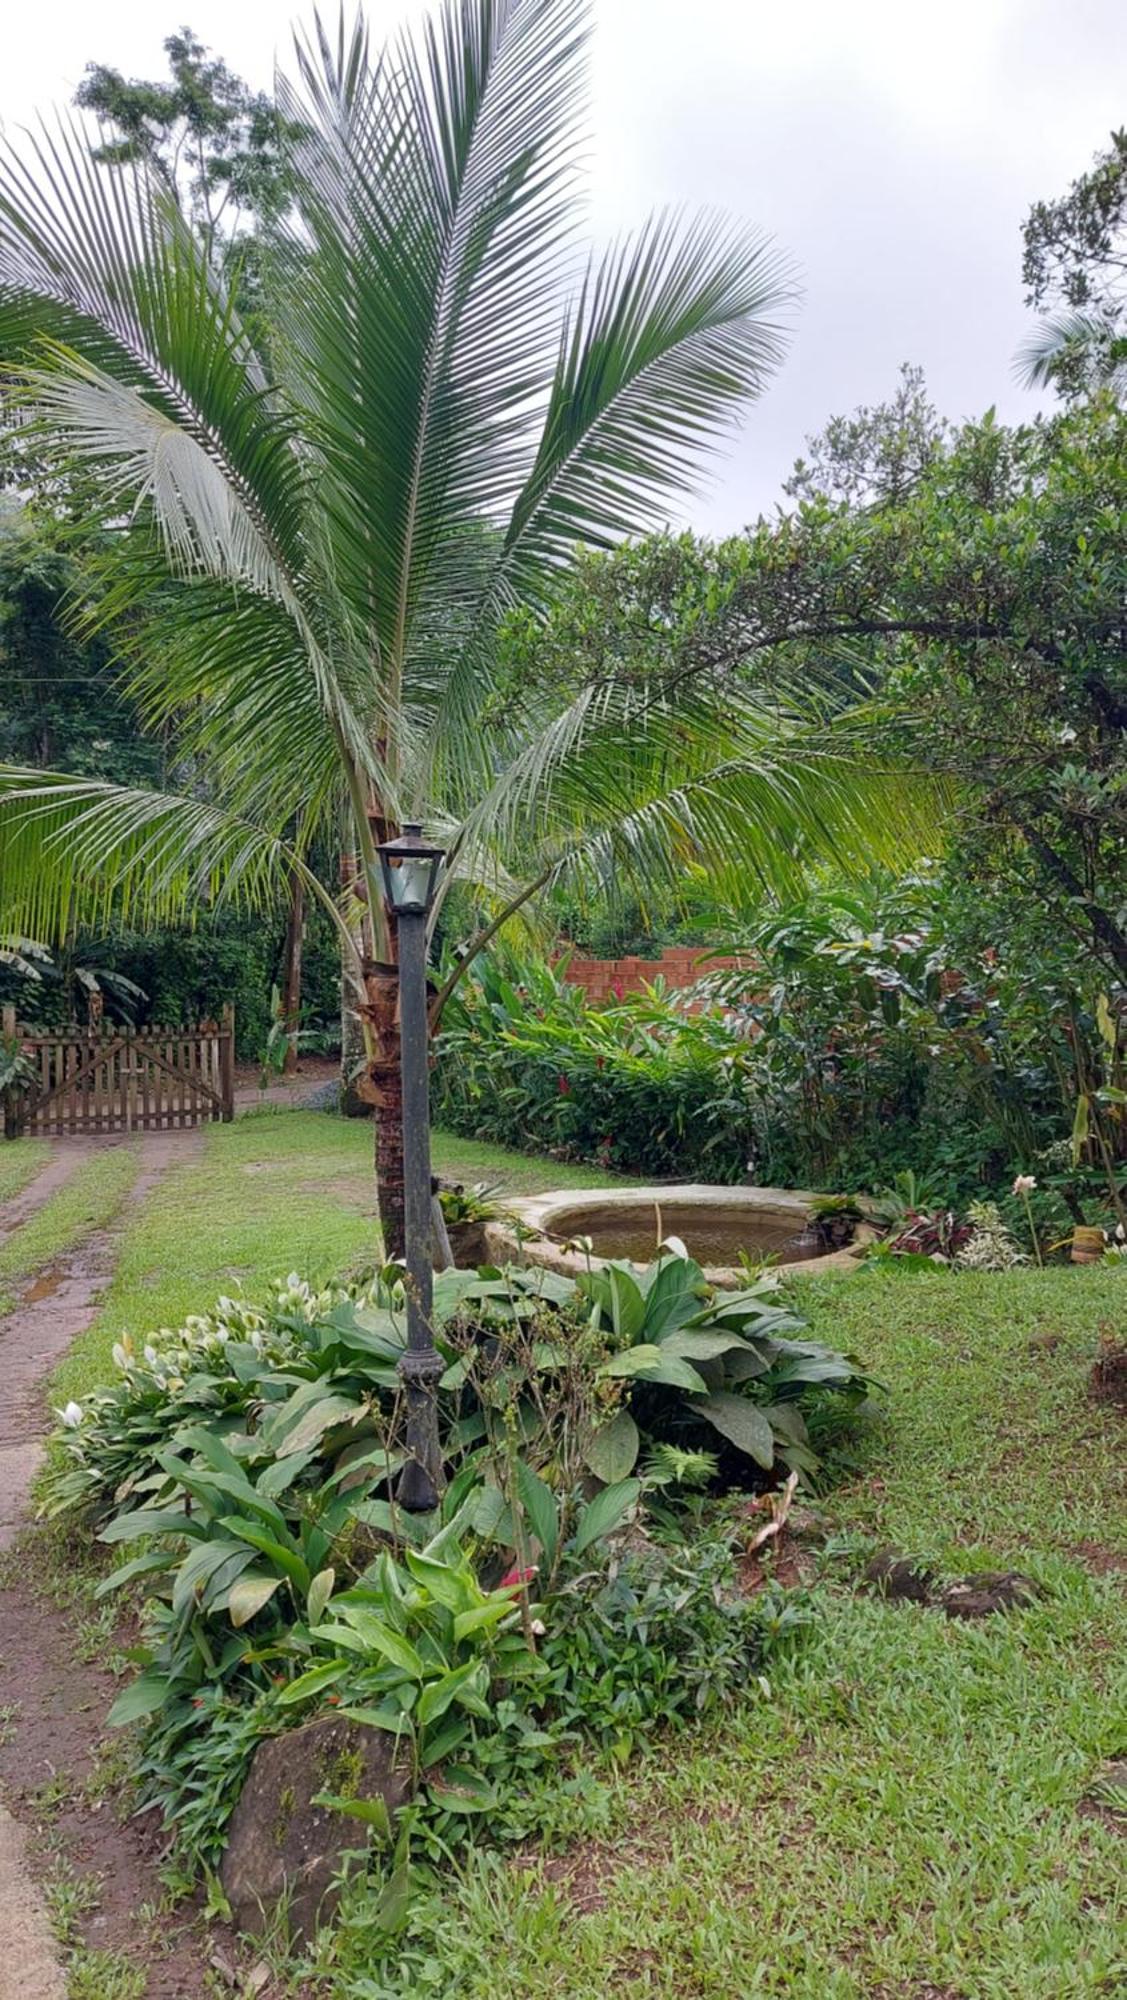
pixel 279 1367
pixel 479 1203
pixel 698 1362
pixel 658 1638
pixel 17 1074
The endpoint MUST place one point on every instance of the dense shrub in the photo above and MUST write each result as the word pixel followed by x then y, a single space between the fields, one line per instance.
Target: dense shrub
pixel 188 974
pixel 918 1026
pixel 246 1464
pixel 641 1086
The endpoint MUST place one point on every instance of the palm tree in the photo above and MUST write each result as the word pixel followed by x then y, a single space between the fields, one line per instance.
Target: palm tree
pixel 315 551
pixel 1077 351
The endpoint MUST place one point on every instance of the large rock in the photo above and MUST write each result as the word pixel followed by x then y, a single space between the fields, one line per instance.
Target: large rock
pixel 905 1579
pixel 280 1843
pixel 987 1591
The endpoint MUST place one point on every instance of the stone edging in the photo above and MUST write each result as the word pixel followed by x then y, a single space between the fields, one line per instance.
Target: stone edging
pixel 534 1225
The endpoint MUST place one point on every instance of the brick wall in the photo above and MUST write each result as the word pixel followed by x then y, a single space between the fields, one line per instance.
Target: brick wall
pixel 610 978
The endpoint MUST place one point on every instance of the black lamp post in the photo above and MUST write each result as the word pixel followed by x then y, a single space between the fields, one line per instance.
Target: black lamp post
pixel 411 867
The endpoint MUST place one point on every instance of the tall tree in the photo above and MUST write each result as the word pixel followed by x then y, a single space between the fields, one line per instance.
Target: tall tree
pixel 60 706
pixel 215 144
pixel 452 404
pixel 1075 270
pixel 985 608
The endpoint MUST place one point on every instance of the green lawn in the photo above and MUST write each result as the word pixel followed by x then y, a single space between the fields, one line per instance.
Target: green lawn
pixel 20 1161
pixel 897 1819
pixel 275 1192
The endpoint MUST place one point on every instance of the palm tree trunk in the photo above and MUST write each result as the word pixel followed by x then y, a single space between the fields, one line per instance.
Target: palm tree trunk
pixel 291 992
pixel 384 1088
pixel 353 1041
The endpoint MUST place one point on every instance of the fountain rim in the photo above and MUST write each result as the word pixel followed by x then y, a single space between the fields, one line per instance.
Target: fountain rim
pixel 529 1230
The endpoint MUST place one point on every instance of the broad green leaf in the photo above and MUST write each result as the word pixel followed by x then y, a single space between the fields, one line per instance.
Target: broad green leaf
pixel 248 1596
pixel 455 1587
pixel 373 1812
pixel 222 1485
pixel 280 1476
pixel 742 1423
pixel 490 1517
pixel 437 1696
pixel 445 1743
pixel 152 1521
pixel 393 1904
pixel 305 1416
pixel 606 1512
pixel 786 1420
pixel 201 1564
pixel 379 1638
pixel 693 1343
pixel 142 1697
pixel 319 1593
pixel 464 1791
pixel 146 1565
pixel 482 1617
pixel 612 1451
pixel 314 1682
pixel 394 1721
pixel 674 1295
pixel 627 1303
pixel 539 1504
pixel 210 1446
pixel 633 1360
pixel 288 1562
pixel 670 1370
pixel 341 1637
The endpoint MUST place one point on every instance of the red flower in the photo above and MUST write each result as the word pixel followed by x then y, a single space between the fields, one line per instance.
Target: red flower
pixel 618 989
pixel 516 1578
pixel 564 1086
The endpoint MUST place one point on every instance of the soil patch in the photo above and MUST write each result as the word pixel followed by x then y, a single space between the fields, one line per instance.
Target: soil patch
pixel 49 1779
pixel 1101 1561
pixel 1109 1376
pixel 63 1163
pixel 1107 1798
pixel 50 1775
pixel 59 1304
pixel 32 1340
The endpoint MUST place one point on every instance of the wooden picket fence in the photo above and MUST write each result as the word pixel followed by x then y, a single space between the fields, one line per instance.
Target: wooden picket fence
pixel 111 1079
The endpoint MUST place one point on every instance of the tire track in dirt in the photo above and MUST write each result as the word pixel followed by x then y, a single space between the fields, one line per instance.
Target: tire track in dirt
pixel 58 1305
pixel 62 1699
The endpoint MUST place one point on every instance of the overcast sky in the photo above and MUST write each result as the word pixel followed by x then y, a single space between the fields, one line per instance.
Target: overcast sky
pixel 891 146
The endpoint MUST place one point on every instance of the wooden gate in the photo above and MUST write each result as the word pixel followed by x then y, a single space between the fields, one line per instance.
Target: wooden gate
pixel 110 1079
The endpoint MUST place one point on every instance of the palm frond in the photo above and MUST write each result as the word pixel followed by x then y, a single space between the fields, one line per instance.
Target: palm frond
pixel 1090 346
pixel 436 191
pixel 79 847
pixel 673 333
pixel 650 781
pixel 98 260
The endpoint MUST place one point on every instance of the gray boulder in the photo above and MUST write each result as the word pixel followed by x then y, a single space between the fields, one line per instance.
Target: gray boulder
pixel 282 1845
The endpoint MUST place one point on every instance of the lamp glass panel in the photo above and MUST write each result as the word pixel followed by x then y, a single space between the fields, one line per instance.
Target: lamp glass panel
pixel 410 881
